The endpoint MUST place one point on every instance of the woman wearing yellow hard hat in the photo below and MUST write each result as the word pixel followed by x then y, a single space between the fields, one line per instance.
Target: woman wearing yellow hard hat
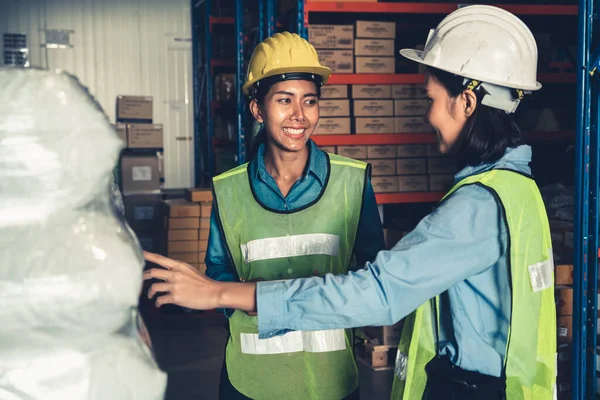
pixel 475 277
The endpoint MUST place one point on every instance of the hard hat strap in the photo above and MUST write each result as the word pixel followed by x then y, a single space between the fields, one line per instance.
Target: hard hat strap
pixel 500 97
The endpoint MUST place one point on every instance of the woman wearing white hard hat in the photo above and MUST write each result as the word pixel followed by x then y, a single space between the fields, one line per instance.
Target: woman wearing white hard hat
pixel 475 277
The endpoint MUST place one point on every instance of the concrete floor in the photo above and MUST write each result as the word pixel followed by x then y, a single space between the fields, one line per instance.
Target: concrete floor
pixel 190 348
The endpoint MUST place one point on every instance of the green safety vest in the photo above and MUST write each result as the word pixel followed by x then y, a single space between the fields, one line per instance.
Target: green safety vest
pixel 530 362
pixel 270 245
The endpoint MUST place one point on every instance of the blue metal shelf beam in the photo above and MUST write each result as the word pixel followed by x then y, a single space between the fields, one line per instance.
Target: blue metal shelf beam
pixel 239 71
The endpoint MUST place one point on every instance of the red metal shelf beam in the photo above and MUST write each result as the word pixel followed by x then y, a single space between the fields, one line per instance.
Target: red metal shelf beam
pixel 418 197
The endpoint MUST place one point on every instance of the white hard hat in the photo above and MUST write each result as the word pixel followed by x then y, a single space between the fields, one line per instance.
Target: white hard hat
pixel 484 43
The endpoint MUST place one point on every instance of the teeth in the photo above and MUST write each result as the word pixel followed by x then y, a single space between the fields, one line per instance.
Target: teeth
pixel 293 131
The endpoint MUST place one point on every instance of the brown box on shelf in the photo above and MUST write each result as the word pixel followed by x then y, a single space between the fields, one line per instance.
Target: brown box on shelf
pixel 339 61
pixel 121 130
pixel 375 29
pixel 184 246
pixel 182 235
pixel 203 234
pixel 334 92
pixel 142 211
pixel 134 108
pixel 440 183
pixel 334 108
pixel 187 257
pixel 408 108
pixel 182 223
pixel 432 151
pixel 411 166
pixel 205 223
pixel 201 267
pixel 442 165
pixel 333 126
pixel 197 195
pixel 411 125
pixel 373 108
pixel 408 91
pixel 563 274
pixel 384 184
pixel 412 183
pixel 205 209
pixel 374 125
pixel 144 136
pixel 374 47
pixel 331 36
pixel 328 149
pixel 358 152
pixel 383 167
pixel 564 300
pixel 564 328
pixel 375 65
pixel 371 91
pixel 202 245
pixel 411 150
pixel 141 173
pixel 388 335
pixel 381 151
pixel 180 208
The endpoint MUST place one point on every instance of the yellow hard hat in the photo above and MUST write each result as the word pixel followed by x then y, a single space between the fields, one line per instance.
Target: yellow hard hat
pixel 283 53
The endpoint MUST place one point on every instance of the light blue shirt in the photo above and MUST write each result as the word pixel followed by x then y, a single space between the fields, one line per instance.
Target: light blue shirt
pixel 458 250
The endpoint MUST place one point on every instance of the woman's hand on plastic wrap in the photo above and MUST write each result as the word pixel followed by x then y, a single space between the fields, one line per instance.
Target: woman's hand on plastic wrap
pixel 184 286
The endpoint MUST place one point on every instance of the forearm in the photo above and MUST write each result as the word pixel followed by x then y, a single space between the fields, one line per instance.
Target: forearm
pixel 239 296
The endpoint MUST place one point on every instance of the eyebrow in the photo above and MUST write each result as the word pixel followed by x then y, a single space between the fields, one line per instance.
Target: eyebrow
pixel 292 94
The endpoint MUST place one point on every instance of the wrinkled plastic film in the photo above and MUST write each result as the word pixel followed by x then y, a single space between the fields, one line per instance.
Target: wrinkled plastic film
pixel 71 271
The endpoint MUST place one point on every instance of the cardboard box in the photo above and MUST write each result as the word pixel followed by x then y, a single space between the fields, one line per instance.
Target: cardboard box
pixel 197 195
pixel 432 151
pixel 182 223
pixel 121 130
pixel 374 125
pixel 384 184
pixel 381 151
pixel 409 91
pixel 440 183
pixel 339 61
pixel 412 183
pixel 187 257
pixel 331 36
pixel 203 234
pixel 409 108
pixel 205 223
pixel 564 301
pixel 141 173
pixel 142 211
pixel 333 126
pixel 205 210
pixel 334 92
pixel 328 149
pixel 442 165
pixel 375 65
pixel 374 47
pixel 378 356
pixel 144 136
pixel 359 152
pixel 411 166
pixel 411 150
pixel 371 91
pixel 202 245
pixel 334 108
pixel 564 329
pixel 134 108
pixel 382 167
pixel 201 267
pixel 182 235
pixel 411 125
pixel 374 108
pixel 182 246
pixel 563 274
pixel 375 29
pixel 181 208
pixel 386 335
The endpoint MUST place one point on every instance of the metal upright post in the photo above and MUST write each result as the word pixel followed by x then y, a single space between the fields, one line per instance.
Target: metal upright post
pixel 196 94
pixel 239 74
pixel 302 20
pixel 261 20
pixel 210 165
pixel 271 23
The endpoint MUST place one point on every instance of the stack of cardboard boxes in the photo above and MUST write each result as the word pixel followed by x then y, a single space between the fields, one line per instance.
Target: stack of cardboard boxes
pixel 141 165
pixel 563 278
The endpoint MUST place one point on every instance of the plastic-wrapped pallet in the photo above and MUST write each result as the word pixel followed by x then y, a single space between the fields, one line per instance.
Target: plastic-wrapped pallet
pixel 70 267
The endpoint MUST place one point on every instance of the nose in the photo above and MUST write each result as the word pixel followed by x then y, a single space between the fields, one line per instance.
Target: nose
pixel 297 112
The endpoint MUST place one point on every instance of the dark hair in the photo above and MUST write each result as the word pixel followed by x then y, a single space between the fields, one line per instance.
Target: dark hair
pixel 259 94
pixel 488 132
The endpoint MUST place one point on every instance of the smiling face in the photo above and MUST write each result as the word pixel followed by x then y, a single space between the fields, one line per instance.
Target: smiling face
pixel 289 112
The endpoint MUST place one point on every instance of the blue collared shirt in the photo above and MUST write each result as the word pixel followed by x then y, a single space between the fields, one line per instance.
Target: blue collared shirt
pixel 369 236
pixel 459 250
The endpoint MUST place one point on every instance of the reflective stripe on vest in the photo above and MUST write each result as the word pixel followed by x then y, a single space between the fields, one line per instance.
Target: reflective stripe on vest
pixel 268 245
pixel 530 362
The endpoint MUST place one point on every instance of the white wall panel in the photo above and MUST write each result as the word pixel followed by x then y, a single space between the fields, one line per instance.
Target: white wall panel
pixel 135 47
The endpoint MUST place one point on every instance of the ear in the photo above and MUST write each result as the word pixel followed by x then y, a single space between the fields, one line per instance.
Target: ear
pixel 470 102
pixel 255 110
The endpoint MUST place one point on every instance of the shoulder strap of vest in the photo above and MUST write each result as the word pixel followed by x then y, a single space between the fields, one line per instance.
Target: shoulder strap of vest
pixel 334 159
pixel 234 171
